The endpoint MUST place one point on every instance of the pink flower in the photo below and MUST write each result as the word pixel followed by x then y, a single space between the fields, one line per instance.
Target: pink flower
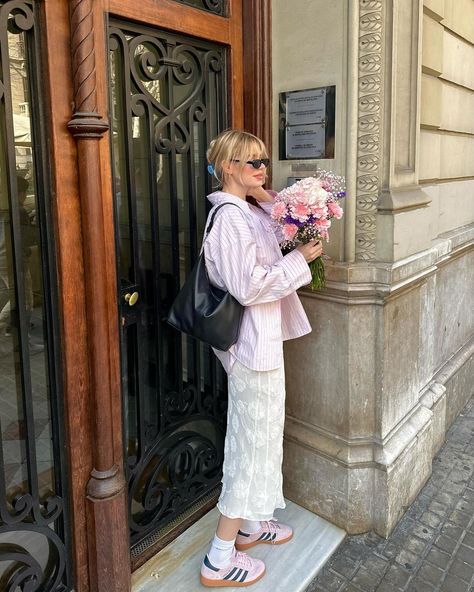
pixel 289 231
pixel 311 203
pixel 300 212
pixel 303 199
pixel 324 234
pixel 323 224
pixel 279 210
pixel 335 209
pixel 320 212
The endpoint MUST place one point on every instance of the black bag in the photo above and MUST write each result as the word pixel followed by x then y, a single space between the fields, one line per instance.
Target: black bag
pixel 205 311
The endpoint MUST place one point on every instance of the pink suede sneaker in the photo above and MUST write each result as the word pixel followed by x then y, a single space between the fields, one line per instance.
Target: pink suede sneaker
pixel 270 533
pixel 242 570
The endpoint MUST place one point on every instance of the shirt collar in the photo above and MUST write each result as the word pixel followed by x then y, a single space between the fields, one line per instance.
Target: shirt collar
pixel 219 197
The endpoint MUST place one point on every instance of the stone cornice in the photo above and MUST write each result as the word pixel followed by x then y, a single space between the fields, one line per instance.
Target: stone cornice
pixel 402 199
pixel 359 452
pixel 448 370
pixel 377 282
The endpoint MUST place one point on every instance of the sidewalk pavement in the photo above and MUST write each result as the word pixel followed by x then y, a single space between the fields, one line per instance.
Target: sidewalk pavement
pixel 432 547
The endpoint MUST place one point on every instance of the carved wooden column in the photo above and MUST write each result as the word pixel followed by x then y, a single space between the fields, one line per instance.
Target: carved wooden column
pixel 106 491
pixel 257 32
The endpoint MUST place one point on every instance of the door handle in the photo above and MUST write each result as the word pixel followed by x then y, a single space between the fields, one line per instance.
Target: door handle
pixel 132 298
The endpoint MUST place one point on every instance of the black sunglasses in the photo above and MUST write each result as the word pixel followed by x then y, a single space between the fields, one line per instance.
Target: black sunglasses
pixel 257 163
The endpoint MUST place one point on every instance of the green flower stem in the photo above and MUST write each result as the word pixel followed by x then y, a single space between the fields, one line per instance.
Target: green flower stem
pixel 318 280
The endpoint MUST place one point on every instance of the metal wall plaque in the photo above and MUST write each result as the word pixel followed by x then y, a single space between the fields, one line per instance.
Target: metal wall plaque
pixel 307 123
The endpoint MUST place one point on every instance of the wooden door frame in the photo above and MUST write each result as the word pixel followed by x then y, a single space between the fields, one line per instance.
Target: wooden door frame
pixel 75 50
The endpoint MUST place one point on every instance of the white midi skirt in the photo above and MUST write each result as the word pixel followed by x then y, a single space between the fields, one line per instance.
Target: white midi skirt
pixel 253 450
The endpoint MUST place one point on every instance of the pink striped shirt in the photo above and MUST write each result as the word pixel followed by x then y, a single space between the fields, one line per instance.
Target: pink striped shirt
pixel 243 256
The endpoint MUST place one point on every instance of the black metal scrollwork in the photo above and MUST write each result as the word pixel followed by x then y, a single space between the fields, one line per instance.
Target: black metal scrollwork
pixel 217 6
pixel 33 552
pixel 171 476
pixel 169 99
pixel 18 16
pixel 24 571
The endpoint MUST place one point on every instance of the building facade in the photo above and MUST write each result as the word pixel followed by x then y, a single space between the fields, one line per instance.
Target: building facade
pixel 112 424
pixel 389 364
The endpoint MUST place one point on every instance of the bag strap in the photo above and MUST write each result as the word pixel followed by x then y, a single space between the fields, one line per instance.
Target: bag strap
pixel 211 221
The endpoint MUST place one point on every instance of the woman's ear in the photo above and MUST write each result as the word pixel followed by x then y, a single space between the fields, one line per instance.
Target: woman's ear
pixel 226 167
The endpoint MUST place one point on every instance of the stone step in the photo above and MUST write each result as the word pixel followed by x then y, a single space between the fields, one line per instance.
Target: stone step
pixel 290 567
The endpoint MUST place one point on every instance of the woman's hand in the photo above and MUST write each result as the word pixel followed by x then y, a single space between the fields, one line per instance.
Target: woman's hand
pixel 311 250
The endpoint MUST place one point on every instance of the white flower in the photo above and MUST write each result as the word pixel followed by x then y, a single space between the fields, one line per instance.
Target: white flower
pixel 318 197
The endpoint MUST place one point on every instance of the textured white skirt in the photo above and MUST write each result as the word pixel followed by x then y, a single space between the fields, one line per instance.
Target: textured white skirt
pixel 253 450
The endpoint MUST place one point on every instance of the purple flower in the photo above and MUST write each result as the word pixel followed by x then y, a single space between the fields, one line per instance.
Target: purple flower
pixel 290 220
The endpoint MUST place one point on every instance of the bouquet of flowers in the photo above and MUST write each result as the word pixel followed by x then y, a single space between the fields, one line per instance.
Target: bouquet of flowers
pixel 304 211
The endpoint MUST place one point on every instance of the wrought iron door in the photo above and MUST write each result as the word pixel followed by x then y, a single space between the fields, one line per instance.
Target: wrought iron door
pixel 168 99
pixel 34 551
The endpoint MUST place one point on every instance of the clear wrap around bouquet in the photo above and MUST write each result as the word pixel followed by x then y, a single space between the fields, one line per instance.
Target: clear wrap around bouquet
pixel 304 211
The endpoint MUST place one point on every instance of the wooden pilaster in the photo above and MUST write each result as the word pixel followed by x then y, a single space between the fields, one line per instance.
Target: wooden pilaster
pixel 107 525
pixel 257 34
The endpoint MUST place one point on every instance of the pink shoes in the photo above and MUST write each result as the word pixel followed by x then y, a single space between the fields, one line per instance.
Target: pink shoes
pixel 270 533
pixel 242 571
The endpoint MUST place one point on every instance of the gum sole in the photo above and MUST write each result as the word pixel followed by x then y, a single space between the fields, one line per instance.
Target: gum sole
pixel 246 546
pixel 228 583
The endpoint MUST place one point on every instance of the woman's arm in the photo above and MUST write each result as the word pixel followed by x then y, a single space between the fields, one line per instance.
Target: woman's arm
pixel 231 247
pixel 263 196
pixel 266 199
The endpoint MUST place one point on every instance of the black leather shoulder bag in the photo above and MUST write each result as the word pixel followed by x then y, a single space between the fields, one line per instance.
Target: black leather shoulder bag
pixel 204 311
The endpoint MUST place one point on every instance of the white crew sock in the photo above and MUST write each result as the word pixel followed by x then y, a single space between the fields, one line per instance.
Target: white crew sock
pixel 221 552
pixel 250 526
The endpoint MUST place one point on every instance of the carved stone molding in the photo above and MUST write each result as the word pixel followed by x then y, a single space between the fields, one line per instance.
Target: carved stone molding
pixel 359 452
pixel 370 124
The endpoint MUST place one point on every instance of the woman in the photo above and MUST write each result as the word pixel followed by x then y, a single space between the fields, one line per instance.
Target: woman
pixel 243 256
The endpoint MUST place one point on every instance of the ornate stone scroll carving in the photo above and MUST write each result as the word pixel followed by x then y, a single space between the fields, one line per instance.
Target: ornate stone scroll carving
pixel 369 134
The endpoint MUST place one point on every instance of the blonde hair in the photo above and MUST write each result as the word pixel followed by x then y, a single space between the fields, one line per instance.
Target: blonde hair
pixel 234 144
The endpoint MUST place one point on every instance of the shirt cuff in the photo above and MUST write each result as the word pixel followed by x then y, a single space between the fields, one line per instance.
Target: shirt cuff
pixel 297 268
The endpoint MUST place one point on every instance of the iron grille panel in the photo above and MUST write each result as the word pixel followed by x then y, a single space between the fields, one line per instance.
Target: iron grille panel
pixel 168 99
pixel 34 532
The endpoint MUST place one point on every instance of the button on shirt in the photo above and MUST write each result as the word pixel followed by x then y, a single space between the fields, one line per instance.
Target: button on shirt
pixel 243 256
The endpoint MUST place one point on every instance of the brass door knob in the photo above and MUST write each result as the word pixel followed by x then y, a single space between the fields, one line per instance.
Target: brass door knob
pixel 131 298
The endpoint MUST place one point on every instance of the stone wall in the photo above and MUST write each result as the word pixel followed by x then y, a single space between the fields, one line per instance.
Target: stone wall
pixel 309 41
pixel 389 364
pixel 447 112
